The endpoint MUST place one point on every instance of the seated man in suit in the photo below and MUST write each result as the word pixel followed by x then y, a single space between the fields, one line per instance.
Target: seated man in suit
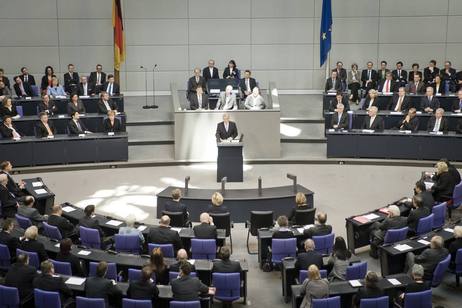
pixel 457 105
pixel 48 281
pixel 429 258
pixel 371 100
pixel 320 228
pixel 199 100
pixel 247 84
pixel 431 72
pixel 164 235
pixel 101 287
pixel 210 72
pixel 400 75
pixel 226 130
pixel 225 265
pixel 369 77
pixel 373 121
pixel 26 77
pixel 410 121
pixel 339 99
pixel 400 102
pixel 310 256
pixel 340 119
pixel 175 205
pixel 29 243
pixel 111 87
pixel 71 79
pixel 76 126
pixel 194 82
pixel 90 221
pixel 341 75
pixel 85 88
pixel 283 230
pixel 206 229
pixel 21 275
pixel 382 72
pixel 429 102
pixel 8 130
pixel 28 210
pixel 6 238
pixel 9 203
pixel 97 78
pixel 56 219
pixel 18 189
pixel 417 86
pixel 438 123
pixel 227 100
pixel 105 103
pixel 333 84
pixel 181 256
pixel 45 128
pixel 418 212
pixel 426 195
pixel 418 284
pixel 187 288
pixel 378 230
pixel 143 289
pixel 22 89
pixel 388 85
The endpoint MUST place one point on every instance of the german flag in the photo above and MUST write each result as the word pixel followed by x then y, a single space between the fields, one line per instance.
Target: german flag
pixel 119 38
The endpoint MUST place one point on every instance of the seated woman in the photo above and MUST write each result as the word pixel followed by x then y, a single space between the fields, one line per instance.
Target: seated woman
pixel 231 71
pixel 217 204
pixel 370 289
pixel 44 127
pixel 339 260
pixel 55 89
pixel 8 109
pixel 75 105
pixel 7 129
pixel 371 100
pixel 64 255
pixel 300 204
pixel 158 266
pixel 47 105
pixel 47 78
pixel 313 287
pixel 438 86
pixel 227 100
pixel 255 101
pixel 444 183
pixel 111 124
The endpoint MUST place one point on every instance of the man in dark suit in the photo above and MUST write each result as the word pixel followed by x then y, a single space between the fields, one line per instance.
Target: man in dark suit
pixel 339 99
pixel 164 235
pixel 226 130
pixel 26 77
pixel 111 87
pixel 198 100
pixel 175 205
pixel 44 127
pixel 225 265
pixel 210 72
pixel 448 75
pixel 5 79
pixel 417 86
pixel 321 228
pixel 187 288
pixel 7 239
pixel 56 219
pixel 369 77
pixel 373 121
pixel 48 281
pixel 85 88
pixel 28 210
pixel 18 189
pixel 143 289
pixel 8 130
pixel 283 231
pixel 71 79
pixel 431 72
pixel 400 75
pixel 333 84
pixel 181 256
pixel 340 119
pixel 194 82
pixel 429 258
pixel 341 74
pixel 22 89
pixel 416 214
pixel 310 256
pixel 89 220
pixel 8 200
pixel 457 105
pixel 410 121
pixel 400 102
pixel 247 84
pixel 98 78
pixel 429 102
pixel 438 123
pixel 206 229
pixel 105 103
pixel 21 276
pixel 388 85
pixel 382 72
pixel 76 126
pixel 30 243
pixel 426 195
pixel 101 287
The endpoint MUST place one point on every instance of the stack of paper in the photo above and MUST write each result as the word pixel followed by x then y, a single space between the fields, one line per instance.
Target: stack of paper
pixel 402 247
pixel 394 281
pixel 77 281
pixel 114 223
pixel 68 209
pixel 84 252
pixel 355 283
pixel 422 241
pixel 40 191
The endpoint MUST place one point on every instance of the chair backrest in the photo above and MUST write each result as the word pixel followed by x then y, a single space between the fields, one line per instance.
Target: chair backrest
pixel 176 219
pixel 111 270
pixel 9 297
pixel 203 249
pixel 439 212
pixel 260 219
pixel 52 232
pixel 90 237
pixel 5 257
pixel 174 275
pixel 458 261
pixel 35 90
pixel 457 195
pixel 189 304
pixel 282 248
pixel 46 299
pixel 324 243
pixel 330 302
pixel 85 302
pixel 425 224
pixel 23 222
pixel 395 235
pixel 356 271
pixel 380 302
pixel 303 274
pixel 440 270
pixel 228 286
pixel 136 303
pixel 33 257
pixel 305 217
pixel 222 221
pixel 20 110
pixel 167 249
pixel 127 243
pixel 63 268
pixel 418 299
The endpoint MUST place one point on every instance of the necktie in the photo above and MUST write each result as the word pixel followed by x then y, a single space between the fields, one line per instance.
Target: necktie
pixel 398 105
pixel 399 73
pixel 416 87
pixel 25 78
pixel 98 78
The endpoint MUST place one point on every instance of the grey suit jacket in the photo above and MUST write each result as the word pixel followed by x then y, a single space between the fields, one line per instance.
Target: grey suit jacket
pixel 229 103
pixel 194 101
pixel 31 213
pixel 255 103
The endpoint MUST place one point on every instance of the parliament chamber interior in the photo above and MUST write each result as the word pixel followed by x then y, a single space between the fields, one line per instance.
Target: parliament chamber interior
pixel 208 153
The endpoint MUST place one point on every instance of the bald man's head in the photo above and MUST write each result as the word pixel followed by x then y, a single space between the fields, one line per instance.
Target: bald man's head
pixel 165 220
pixel 181 255
pixel 204 218
pixel 56 209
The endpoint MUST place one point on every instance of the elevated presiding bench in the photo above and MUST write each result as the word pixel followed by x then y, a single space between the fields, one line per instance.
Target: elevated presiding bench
pixel 239 202
pixel 393 144
pixel 63 149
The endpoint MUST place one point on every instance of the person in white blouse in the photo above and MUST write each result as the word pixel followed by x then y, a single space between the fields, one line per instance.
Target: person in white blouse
pixel 227 100
pixel 255 101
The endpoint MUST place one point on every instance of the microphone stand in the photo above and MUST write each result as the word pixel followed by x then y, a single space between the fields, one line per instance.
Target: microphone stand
pixel 153 106
pixel 145 86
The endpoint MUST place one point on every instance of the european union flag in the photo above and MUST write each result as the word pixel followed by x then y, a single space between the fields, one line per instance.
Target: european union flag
pixel 326 30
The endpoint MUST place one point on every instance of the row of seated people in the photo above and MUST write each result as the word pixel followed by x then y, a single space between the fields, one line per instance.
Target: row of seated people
pixel 85 86
pixel 444 80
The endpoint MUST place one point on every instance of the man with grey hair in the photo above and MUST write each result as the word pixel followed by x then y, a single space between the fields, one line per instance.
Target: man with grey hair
pixel 373 121
pixel 7 199
pixel 456 244
pixel 309 257
pixel 194 82
pixel 418 285
pixel 429 258
pixel 206 229
pixel 163 234
pixel 340 118
pixel 438 123
pixel 130 229
pixel 378 230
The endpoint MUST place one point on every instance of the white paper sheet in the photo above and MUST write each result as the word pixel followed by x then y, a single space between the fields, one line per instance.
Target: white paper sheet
pixel 371 216
pixel 40 191
pixel 428 185
pixel 355 283
pixel 394 281
pixel 370 131
pixel 300 230
pixel 141 228
pixel 37 184
pixel 68 209
pixel 424 242
pixel 402 247
pixel 114 223
pixel 75 281
pixel 449 230
pixel 84 252
pixel 192 261
pixel 176 229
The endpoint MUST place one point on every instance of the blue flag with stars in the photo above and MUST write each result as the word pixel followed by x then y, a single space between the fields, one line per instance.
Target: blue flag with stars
pixel 326 30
